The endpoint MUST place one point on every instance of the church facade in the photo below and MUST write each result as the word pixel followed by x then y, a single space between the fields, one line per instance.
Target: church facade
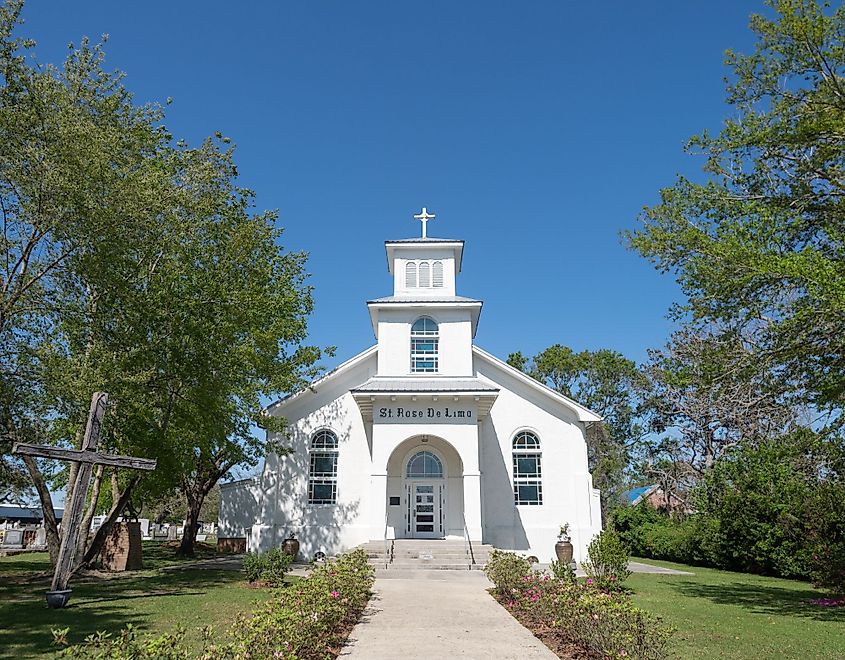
pixel 423 435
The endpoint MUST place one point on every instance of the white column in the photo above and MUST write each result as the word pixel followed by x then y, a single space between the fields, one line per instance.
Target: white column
pixel 472 504
pixel 378 504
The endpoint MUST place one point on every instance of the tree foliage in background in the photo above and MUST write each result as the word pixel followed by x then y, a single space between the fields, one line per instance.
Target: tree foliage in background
pixel 133 265
pixel 760 245
pixel 609 384
pixel 708 393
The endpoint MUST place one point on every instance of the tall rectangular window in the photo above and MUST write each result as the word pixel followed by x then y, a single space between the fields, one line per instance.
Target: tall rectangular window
pixel 527 472
pixel 322 471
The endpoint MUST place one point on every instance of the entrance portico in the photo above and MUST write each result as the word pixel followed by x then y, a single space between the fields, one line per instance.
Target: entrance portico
pixel 444 423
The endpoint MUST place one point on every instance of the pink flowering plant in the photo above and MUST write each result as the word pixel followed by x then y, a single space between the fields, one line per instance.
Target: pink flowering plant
pixel 602 623
pixel 305 620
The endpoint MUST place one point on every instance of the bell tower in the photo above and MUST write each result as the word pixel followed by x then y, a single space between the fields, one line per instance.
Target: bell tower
pixel 424 271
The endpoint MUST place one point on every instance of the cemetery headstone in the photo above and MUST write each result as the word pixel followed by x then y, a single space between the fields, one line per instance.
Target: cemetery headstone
pixel 13 538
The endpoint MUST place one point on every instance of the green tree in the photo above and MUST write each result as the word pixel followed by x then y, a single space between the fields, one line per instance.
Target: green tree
pixel 760 244
pixel 133 265
pixel 611 385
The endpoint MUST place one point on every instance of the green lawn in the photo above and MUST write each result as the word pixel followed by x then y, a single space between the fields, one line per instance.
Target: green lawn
pixel 155 600
pixel 719 614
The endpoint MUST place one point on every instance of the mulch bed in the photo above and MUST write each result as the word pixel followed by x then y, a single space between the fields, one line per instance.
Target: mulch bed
pixel 551 637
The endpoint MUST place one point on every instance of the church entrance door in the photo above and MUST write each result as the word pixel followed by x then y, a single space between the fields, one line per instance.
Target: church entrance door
pixel 426 510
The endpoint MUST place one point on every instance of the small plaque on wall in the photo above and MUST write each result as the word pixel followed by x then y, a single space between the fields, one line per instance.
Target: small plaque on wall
pixel 394 501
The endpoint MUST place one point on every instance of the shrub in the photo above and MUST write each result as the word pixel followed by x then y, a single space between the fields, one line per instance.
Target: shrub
pixel 602 624
pixel 307 620
pixel 269 567
pixel 562 571
pixel 506 570
pixel 126 645
pixel 607 562
pixel 310 617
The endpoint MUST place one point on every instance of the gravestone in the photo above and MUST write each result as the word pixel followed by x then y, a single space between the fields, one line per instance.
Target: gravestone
pixel 40 537
pixel 171 533
pixel 122 549
pixel 13 538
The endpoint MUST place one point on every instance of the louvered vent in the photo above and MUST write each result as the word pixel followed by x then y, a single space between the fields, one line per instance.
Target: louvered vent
pixel 437 274
pixel 425 274
pixel 411 275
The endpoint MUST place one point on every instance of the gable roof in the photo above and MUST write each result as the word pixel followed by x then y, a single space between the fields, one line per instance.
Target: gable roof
pixel 337 371
pixel 582 413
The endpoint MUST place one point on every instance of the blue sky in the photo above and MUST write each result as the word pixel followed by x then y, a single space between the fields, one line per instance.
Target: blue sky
pixel 536 131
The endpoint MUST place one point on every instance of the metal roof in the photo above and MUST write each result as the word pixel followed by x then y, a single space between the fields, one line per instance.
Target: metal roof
pixel 25 512
pixel 427 239
pixel 441 299
pixel 374 385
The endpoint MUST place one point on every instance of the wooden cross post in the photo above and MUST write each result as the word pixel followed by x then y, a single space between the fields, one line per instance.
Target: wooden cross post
pixel 87 457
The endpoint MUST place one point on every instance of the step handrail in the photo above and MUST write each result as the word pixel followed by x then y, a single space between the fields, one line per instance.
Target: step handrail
pixel 468 544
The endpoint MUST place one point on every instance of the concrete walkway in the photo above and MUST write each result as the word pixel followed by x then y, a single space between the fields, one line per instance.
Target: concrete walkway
pixel 438 614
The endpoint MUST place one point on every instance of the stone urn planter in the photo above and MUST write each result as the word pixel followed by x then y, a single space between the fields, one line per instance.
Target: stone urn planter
pixel 56 600
pixel 290 546
pixel 563 547
pixel 563 550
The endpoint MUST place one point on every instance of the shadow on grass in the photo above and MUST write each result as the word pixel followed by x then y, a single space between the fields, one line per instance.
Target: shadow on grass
pixel 97 604
pixel 763 599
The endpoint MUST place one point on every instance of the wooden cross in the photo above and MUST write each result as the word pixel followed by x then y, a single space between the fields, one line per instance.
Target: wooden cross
pixel 87 457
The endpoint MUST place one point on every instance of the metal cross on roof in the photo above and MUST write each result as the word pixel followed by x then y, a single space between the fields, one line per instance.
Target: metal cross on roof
pixel 424 216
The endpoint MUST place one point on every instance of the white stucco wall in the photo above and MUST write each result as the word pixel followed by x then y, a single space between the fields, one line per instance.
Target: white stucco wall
pixel 567 486
pixel 394 340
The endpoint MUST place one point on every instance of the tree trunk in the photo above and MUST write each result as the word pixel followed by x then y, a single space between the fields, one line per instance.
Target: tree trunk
pixel 100 537
pixel 88 517
pixel 50 524
pixel 189 533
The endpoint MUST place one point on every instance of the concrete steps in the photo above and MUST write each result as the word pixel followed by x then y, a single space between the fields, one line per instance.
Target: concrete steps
pixel 424 554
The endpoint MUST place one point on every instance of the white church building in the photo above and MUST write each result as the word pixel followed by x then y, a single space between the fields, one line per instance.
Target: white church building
pixel 423 435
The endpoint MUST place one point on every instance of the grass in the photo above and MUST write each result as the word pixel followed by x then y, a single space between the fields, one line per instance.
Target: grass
pixel 719 614
pixel 158 599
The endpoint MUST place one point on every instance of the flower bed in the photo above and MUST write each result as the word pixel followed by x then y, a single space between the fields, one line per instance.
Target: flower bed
pixel 576 618
pixel 306 620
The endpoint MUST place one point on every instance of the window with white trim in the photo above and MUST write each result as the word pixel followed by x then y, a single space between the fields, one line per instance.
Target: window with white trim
pixel 437 274
pixel 424 465
pixel 425 344
pixel 527 471
pixel 322 472
pixel 424 274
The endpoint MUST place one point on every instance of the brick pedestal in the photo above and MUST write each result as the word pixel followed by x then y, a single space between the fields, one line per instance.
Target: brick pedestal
pixel 236 545
pixel 122 550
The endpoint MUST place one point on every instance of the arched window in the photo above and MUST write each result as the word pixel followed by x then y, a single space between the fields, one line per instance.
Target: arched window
pixel 437 274
pixel 411 274
pixel 424 465
pixel 424 346
pixel 322 474
pixel 527 474
pixel 425 274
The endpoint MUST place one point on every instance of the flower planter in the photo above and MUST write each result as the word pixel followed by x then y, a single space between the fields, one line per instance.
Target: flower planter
pixel 563 550
pixel 290 547
pixel 58 599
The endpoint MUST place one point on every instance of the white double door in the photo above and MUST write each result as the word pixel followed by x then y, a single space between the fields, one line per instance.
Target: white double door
pixel 425 509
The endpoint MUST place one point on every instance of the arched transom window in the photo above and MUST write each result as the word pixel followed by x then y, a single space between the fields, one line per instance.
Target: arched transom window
pixel 425 343
pixel 322 473
pixel 527 472
pixel 424 464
